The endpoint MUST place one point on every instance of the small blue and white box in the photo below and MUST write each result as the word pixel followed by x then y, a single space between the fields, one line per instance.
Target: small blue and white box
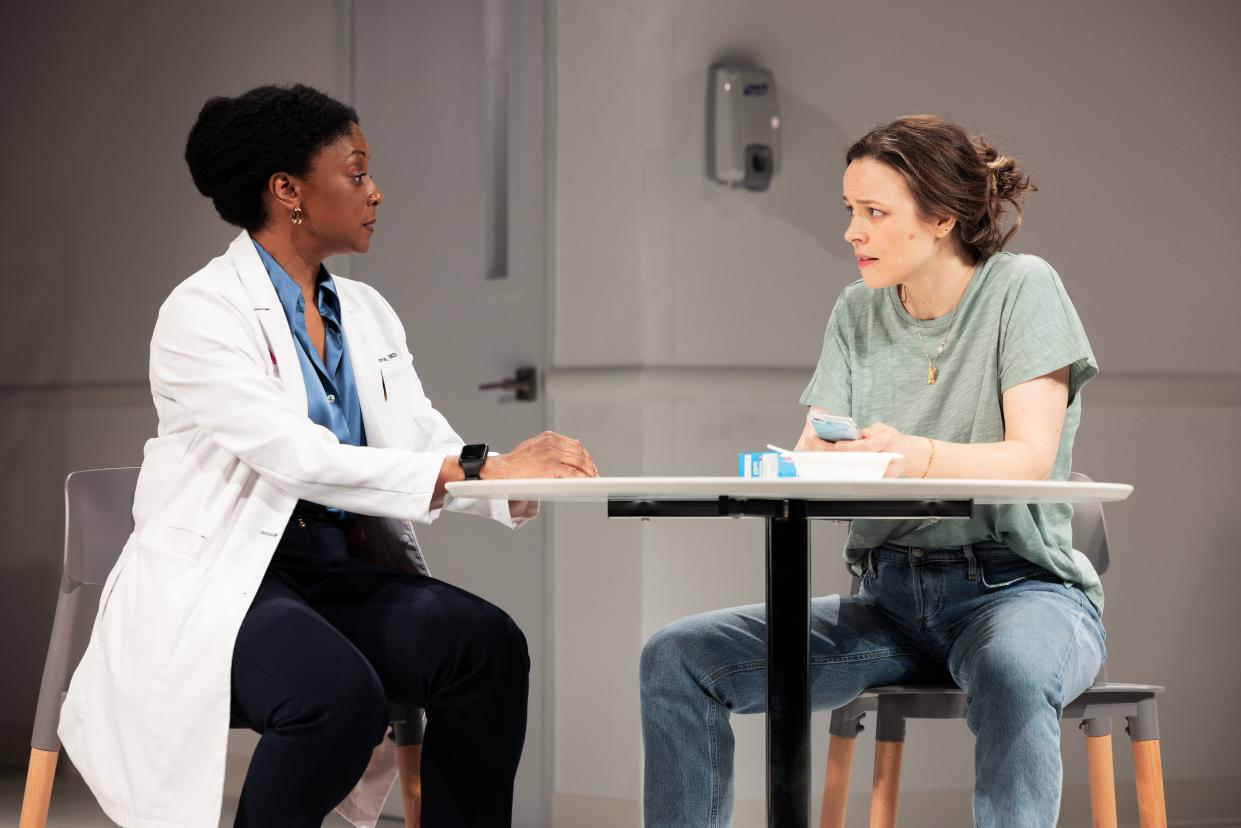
pixel 765 464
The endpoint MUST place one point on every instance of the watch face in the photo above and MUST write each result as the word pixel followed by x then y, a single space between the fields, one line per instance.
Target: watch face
pixel 474 451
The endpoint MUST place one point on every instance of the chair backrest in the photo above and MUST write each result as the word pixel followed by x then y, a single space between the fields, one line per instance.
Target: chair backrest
pixel 1089 529
pixel 98 521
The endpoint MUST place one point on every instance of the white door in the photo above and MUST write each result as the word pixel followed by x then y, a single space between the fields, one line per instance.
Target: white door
pixel 450 95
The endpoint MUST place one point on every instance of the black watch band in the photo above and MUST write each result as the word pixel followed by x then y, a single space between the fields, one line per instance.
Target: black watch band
pixel 472 458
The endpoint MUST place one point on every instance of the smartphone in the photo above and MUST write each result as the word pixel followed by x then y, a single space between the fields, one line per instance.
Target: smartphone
pixel 833 428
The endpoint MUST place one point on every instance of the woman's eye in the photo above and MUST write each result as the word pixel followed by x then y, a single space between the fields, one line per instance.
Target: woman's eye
pixel 848 209
pixel 876 212
pixel 357 177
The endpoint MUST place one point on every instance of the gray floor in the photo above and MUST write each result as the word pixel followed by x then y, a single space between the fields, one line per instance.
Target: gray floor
pixel 74 807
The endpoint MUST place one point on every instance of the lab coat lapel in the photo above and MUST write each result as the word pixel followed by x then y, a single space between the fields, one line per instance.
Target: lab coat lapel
pixel 365 370
pixel 281 348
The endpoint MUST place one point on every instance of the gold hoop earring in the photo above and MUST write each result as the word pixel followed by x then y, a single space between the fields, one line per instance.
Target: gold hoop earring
pixel 297 215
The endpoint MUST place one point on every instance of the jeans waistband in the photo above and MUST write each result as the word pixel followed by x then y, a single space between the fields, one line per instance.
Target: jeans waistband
pixel 980 550
pixel 969 554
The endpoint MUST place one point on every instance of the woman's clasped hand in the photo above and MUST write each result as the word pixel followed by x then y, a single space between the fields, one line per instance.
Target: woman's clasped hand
pixel 547 455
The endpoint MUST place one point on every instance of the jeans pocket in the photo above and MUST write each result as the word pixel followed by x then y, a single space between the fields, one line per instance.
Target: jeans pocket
pixel 870 574
pixel 1006 570
pixel 865 580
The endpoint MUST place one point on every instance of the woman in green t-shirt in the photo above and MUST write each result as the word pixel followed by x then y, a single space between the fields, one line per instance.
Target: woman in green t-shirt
pixel 969 362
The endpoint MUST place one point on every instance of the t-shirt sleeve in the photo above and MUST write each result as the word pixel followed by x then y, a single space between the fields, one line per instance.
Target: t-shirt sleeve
pixel 1043 333
pixel 830 386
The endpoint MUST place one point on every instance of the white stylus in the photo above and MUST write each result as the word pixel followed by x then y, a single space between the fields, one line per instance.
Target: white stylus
pixel 778 449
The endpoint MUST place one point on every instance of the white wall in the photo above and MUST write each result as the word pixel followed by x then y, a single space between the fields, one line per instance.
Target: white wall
pixel 689 317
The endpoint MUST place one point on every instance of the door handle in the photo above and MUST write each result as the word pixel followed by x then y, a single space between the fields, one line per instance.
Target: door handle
pixel 524 384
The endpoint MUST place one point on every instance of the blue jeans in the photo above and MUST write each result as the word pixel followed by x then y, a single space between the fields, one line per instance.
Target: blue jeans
pixel 1021 643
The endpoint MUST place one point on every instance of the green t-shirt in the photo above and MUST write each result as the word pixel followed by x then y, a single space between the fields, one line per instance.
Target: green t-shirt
pixel 1014 323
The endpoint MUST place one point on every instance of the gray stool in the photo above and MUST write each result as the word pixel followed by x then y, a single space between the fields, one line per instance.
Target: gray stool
pixel 1095 708
pixel 98 521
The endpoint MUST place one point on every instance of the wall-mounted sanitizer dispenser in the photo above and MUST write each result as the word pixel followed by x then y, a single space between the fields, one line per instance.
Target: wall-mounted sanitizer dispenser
pixel 743 124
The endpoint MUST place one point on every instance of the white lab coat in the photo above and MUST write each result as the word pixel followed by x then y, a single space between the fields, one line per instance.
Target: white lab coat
pixel 146 718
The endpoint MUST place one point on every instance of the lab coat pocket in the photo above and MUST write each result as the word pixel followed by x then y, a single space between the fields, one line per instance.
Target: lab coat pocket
pixel 402 398
pixel 400 384
pixel 175 542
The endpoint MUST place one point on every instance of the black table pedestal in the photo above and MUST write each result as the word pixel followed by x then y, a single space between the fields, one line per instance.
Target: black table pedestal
pixel 788 668
pixel 788 616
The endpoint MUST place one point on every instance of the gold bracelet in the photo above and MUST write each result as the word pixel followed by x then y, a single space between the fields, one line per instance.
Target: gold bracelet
pixel 931 461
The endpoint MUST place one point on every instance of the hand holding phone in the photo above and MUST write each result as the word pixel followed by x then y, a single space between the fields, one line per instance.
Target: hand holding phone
pixel 833 428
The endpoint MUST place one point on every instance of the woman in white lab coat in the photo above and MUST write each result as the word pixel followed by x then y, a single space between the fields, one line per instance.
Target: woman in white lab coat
pixel 273 579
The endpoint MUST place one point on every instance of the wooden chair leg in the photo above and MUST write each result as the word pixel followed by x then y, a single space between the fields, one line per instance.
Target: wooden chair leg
pixel 38 796
pixel 409 760
pixel 836 781
pixel 887 784
pixel 1102 781
pixel 1148 774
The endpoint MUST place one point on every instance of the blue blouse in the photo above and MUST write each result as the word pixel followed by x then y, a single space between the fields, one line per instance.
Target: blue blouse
pixel 331 393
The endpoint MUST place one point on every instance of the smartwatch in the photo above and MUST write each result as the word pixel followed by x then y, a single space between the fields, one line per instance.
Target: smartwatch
pixel 472 458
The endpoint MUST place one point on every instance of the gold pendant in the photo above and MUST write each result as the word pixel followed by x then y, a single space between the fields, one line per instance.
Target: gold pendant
pixel 932 374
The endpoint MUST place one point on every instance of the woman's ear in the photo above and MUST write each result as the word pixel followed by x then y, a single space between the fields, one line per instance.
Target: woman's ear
pixel 944 225
pixel 284 190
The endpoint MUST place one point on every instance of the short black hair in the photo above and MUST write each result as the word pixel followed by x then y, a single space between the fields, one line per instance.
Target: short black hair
pixel 237 144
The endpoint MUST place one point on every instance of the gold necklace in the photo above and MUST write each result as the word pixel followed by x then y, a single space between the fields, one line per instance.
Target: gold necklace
pixel 932 367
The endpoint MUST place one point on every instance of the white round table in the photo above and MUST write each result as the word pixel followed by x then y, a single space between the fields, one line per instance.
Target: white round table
pixel 787 504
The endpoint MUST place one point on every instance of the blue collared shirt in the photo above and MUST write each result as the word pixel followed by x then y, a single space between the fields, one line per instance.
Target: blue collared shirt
pixel 331 393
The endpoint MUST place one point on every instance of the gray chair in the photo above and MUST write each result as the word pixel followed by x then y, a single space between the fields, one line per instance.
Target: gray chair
pixel 895 705
pixel 98 521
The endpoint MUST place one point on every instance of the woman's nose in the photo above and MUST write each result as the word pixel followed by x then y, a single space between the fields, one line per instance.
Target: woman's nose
pixel 377 197
pixel 853 233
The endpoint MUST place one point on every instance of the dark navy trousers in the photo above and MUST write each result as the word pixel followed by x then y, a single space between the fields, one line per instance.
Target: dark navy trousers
pixel 329 640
